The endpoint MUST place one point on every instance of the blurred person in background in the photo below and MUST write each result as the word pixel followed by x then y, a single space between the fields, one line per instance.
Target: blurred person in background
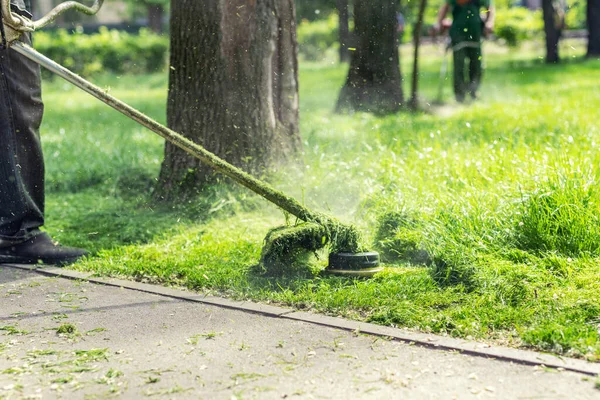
pixel 467 30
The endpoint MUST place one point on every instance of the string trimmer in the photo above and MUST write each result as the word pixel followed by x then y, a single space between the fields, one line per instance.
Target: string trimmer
pixel 282 245
pixel 443 28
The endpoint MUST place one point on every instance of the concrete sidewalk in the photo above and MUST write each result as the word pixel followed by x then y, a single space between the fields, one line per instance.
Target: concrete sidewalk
pixel 129 344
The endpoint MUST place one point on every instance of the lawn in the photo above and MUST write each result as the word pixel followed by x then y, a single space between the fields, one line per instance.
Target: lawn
pixel 487 214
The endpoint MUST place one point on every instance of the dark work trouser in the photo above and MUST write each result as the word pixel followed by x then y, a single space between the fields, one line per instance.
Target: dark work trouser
pixel 466 81
pixel 21 160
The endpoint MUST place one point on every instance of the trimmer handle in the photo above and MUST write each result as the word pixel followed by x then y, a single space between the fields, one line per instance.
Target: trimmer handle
pixel 22 24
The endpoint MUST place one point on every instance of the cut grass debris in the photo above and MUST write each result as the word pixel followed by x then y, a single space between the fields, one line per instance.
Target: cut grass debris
pixel 93 332
pixel 113 373
pixel 67 329
pixel 13 330
pixel 93 355
pixel 208 335
pixel 42 353
pixel 398 238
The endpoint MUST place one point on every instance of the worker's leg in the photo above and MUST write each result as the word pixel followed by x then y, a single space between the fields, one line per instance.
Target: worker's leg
pixel 460 84
pixel 475 70
pixel 21 161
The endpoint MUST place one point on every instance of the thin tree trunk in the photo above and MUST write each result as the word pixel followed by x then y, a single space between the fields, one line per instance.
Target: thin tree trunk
pixel 233 88
pixel 552 31
pixel 593 22
pixel 374 80
pixel 414 97
pixel 344 30
pixel 155 17
pixel 285 78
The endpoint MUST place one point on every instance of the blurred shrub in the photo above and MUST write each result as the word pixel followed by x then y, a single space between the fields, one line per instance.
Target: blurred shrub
pixel 576 17
pixel 514 25
pixel 315 37
pixel 107 51
pixel 314 9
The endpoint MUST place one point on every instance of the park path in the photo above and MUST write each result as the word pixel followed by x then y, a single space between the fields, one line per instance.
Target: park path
pixel 122 343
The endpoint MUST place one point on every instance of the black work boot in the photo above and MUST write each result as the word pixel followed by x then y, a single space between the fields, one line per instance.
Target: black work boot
pixel 40 249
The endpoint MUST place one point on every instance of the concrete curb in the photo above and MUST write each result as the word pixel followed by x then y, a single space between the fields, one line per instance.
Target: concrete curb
pixel 434 341
pixel 257 308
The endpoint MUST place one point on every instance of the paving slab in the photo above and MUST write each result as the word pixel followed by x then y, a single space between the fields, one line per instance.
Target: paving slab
pixel 448 343
pixel 122 343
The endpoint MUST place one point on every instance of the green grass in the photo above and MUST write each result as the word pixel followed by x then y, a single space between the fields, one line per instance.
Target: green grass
pixel 487 213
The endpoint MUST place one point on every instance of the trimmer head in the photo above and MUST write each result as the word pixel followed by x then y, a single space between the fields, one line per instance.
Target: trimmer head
pixel 354 264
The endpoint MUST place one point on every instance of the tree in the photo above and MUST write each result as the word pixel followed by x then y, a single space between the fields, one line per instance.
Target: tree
pixel 374 80
pixel 233 88
pixel 414 96
pixel 344 31
pixel 553 24
pixel 593 23
pixel 156 12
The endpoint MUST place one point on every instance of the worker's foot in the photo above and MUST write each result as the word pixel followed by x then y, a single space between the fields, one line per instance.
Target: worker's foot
pixel 40 249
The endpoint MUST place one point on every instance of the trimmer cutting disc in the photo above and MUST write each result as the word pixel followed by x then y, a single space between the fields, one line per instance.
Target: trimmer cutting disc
pixel 354 264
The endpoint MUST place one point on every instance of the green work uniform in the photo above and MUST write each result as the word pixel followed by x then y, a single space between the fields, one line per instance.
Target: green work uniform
pixel 466 33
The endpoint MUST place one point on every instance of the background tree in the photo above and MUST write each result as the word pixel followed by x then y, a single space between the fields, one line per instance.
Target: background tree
pixel 233 88
pixel 414 96
pixel 156 12
pixel 344 30
pixel 593 23
pixel 374 80
pixel 553 24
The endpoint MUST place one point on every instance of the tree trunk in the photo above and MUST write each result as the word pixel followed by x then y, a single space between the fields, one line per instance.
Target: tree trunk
pixel 414 97
pixel 233 88
pixel 344 31
pixel 593 23
pixel 155 17
pixel 552 30
pixel 374 81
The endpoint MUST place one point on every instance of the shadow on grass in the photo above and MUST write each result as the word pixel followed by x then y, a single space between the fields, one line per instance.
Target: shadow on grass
pixel 108 217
